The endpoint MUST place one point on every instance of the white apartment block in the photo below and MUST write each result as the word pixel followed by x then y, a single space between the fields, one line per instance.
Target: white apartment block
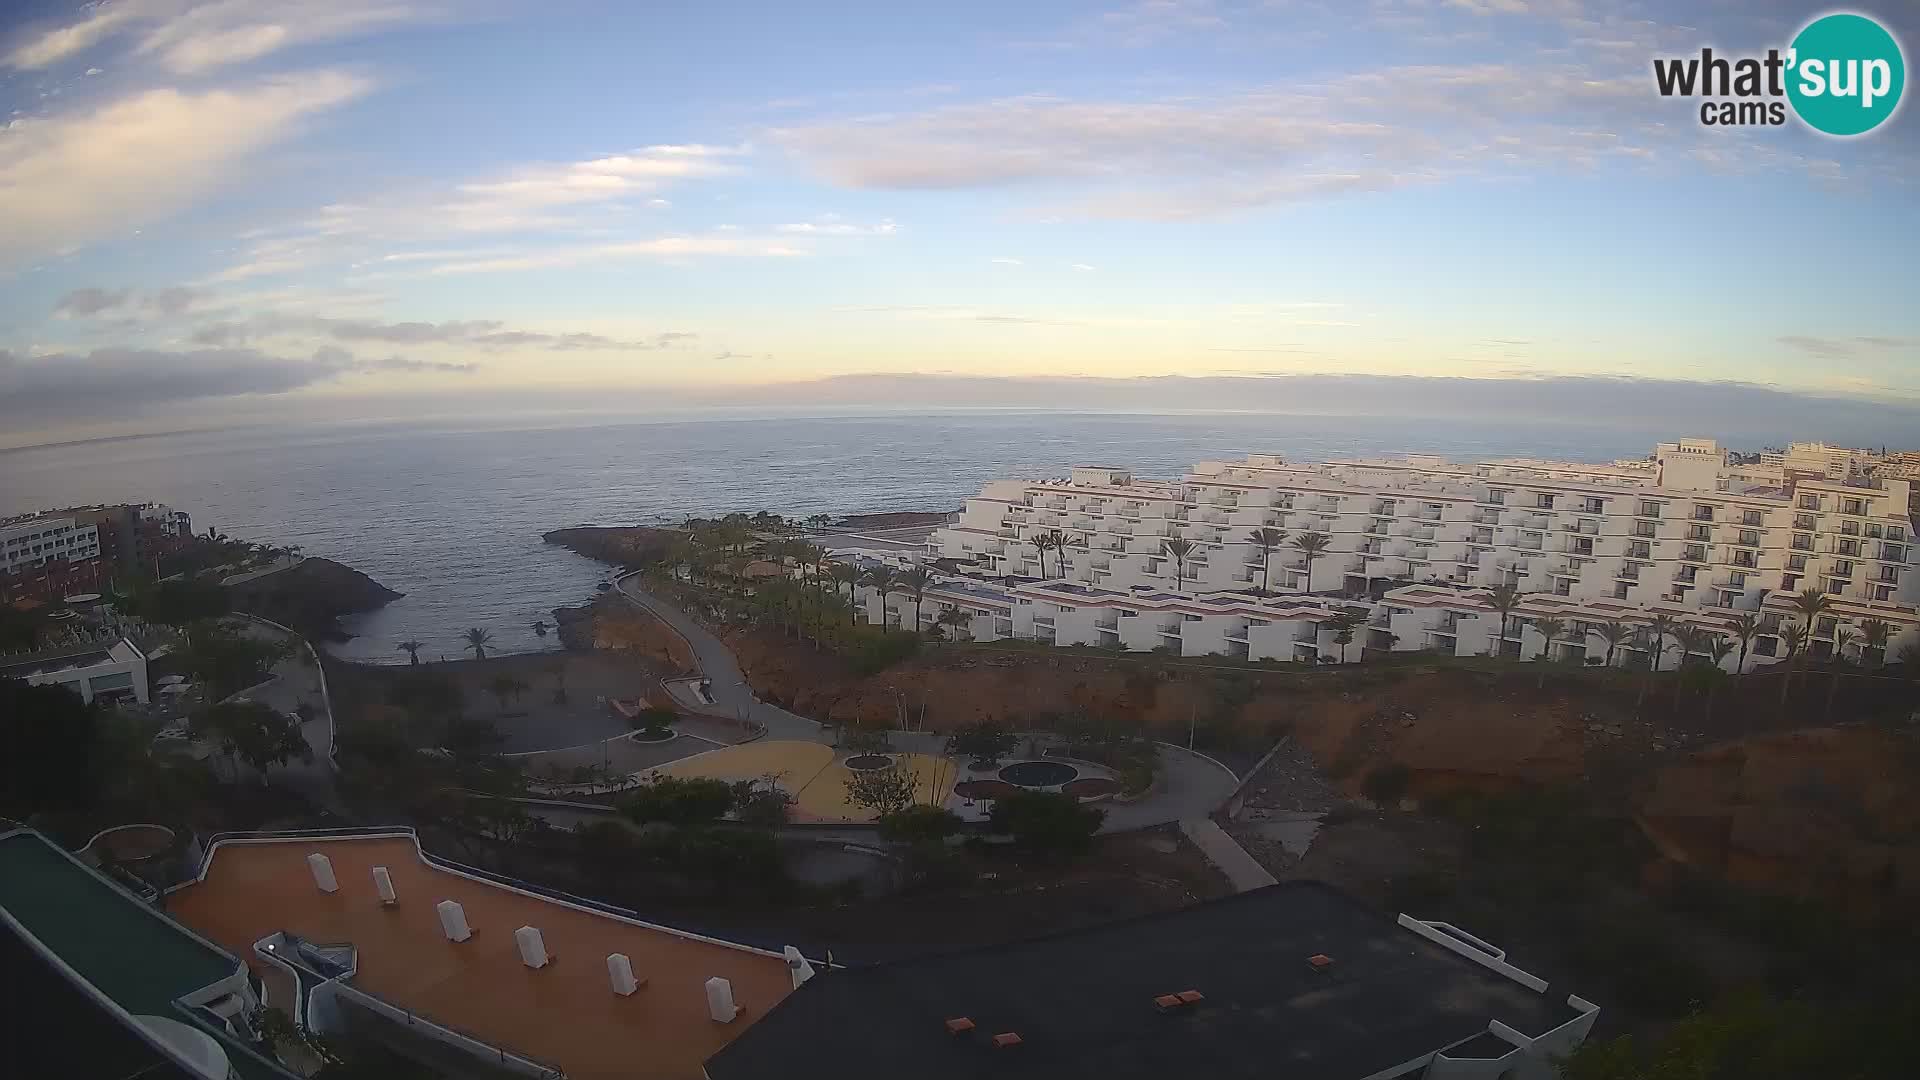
pixel 1684 534
pixel 31 543
pixel 116 670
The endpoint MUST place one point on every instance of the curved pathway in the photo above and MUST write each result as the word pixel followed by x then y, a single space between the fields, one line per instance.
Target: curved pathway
pixel 1191 785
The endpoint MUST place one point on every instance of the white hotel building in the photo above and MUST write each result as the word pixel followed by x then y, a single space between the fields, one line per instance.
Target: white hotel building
pixel 1416 542
pixel 32 542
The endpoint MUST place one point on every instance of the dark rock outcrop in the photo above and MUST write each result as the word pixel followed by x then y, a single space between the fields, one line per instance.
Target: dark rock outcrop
pixel 629 546
pixel 311 596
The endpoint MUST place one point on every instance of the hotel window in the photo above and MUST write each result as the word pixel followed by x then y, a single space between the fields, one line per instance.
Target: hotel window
pixel 1639 549
pixel 1803 521
pixel 1750 517
pixel 1873 531
pixel 1645 528
pixel 1802 542
pixel 1649 509
pixel 1620 590
pixel 1889 573
pixel 1853 506
pixel 1809 502
pixel 1698 532
pixel 1737 581
pixel 1694 553
pixel 1702 512
pixel 1849 547
pixel 1743 558
pixel 1593 506
pixel 1686 574
pixel 1749 538
pixel 1882 592
pixel 1825 626
pixel 1842 568
pixel 1543 502
pixel 1896 533
pixel 1850 528
pixel 1497 498
pixel 1796 562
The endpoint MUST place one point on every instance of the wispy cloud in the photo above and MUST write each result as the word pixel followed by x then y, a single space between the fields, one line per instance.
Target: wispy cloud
pixel 74 178
pixel 1838 348
pixel 831 225
pixel 187 38
pixel 477 333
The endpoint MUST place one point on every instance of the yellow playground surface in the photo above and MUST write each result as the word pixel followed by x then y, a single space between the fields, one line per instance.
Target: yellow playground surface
pixel 814 775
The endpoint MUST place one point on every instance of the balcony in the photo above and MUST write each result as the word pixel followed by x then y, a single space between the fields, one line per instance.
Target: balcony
pixel 1043 620
pixel 1727 581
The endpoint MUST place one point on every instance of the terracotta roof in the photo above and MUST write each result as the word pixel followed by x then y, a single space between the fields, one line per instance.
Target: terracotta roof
pixel 564 1013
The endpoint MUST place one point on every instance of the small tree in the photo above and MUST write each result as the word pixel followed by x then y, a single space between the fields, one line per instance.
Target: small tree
pixel 762 803
pixel 882 791
pixel 921 826
pixel 679 801
pixel 984 742
pixel 1047 822
pixel 257 734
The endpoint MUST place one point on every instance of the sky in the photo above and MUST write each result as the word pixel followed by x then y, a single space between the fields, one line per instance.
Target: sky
pixel 225 208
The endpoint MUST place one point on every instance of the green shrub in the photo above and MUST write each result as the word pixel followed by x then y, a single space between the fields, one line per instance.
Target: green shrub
pixel 1047 823
pixel 679 801
pixel 919 825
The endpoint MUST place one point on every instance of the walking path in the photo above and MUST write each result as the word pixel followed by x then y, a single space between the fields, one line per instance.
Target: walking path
pixel 298 680
pixel 1191 785
pixel 1232 860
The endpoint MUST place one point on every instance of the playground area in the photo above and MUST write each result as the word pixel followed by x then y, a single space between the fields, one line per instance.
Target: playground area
pixel 816 775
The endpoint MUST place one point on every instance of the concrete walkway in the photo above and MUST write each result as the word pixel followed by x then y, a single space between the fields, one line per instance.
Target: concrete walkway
pixel 1191 785
pixel 1230 858
pixel 296 681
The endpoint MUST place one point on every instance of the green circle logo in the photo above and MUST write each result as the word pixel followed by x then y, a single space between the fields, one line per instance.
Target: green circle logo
pixel 1845 73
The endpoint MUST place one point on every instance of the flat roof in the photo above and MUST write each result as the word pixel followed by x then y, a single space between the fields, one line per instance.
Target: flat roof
pixel 564 1014
pixel 133 954
pixel 51 1027
pixel 1083 1002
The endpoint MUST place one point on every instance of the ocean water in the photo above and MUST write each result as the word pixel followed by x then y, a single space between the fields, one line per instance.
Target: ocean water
pixel 451 513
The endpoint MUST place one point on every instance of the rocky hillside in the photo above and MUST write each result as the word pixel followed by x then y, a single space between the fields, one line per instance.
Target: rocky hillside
pixel 311 596
pixel 621 545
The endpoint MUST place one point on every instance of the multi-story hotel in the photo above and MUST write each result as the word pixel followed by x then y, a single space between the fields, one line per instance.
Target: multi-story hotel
pixel 1686 533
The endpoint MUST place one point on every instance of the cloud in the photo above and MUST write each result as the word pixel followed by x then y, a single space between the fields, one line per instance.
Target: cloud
pixel 94 301
pixel 1082 266
pixel 1007 262
pixel 108 383
pixel 1179 158
pixel 663 247
pixel 478 333
pixel 83 303
pixel 831 226
pixel 527 196
pixel 189 38
pixel 400 363
pixel 75 178
pixel 1839 348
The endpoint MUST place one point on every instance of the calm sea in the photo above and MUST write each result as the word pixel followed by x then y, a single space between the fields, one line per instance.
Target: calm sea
pixel 451 513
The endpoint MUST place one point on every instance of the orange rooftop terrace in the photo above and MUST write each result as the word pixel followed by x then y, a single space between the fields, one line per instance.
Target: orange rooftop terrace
pixel 564 1014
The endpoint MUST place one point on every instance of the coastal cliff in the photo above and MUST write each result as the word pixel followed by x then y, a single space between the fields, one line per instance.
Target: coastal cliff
pixel 310 596
pixel 621 545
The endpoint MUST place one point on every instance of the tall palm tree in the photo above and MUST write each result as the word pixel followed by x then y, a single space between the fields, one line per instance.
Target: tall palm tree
pixel 1691 640
pixel 412 648
pixel 1178 549
pixel 1312 545
pixel 1266 539
pixel 1810 603
pixel 1058 541
pixel 1659 629
pixel 477 640
pixel 849 575
pixel 954 620
pixel 914 582
pixel 1873 641
pixel 1745 628
pixel 1794 637
pixel 881 578
pixel 1503 598
pixel 1553 629
pixel 1615 633
pixel 1719 648
pixel 1843 638
pixel 1041 544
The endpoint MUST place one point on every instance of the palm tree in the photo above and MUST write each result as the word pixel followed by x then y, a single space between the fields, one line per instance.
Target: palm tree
pixel 1343 625
pixel 954 620
pixel 477 640
pixel 1041 544
pixel 1178 550
pixel 1810 603
pixel 1659 629
pixel 1266 539
pixel 1719 648
pixel 1843 638
pixel 881 578
pixel 1553 629
pixel 1312 545
pixel 849 575
pixel 1873 641
pixel 1057 540
pixel 1615 633
pixel 412 648
pixel 1745 629
pixel 1691 640
pixel 1503 598
pixel 1794 637
pixel 914 582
